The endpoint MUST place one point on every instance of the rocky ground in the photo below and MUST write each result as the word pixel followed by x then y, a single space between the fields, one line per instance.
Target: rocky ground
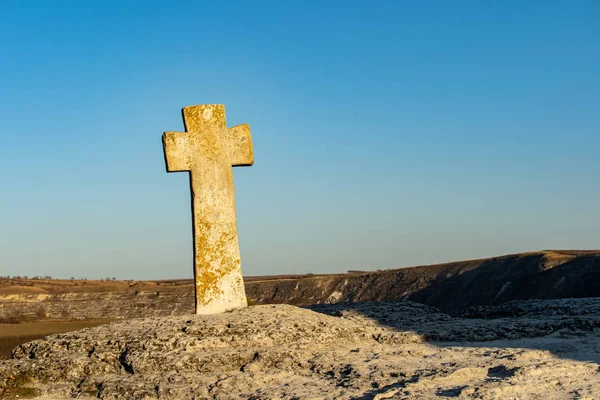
pixel 401 350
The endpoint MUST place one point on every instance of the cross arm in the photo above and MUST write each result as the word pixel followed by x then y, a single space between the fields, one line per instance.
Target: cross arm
pixel 176 147
pixel 240 146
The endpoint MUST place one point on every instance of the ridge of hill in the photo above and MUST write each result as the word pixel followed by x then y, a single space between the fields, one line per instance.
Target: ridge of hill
pixel 451 287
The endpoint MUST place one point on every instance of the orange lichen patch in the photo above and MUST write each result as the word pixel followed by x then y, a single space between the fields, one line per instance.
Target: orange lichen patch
pixel 204 117
pixel 214 260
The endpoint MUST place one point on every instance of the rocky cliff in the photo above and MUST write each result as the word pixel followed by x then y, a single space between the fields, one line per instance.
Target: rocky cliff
pixel 452 288
pixel 449 287
pixel 98 305
pixel 67 300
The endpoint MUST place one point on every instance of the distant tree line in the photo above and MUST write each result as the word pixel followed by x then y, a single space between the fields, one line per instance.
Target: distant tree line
pixel 48 277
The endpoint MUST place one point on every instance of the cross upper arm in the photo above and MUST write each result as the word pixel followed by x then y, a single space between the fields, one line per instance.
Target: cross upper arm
pixel 177 151
pixel 241 152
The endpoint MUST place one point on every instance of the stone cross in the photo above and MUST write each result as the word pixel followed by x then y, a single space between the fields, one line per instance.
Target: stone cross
pixel 208 150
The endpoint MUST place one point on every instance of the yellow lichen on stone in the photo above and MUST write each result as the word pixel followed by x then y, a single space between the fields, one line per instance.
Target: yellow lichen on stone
pixel 208 150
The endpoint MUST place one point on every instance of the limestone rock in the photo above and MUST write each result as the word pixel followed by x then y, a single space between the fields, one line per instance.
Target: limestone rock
pixel 343 351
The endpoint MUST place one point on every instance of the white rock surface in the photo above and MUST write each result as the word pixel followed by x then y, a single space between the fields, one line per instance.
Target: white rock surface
pixel 398 350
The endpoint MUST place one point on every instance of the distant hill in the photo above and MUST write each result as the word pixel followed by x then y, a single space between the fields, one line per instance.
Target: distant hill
pixel 450 287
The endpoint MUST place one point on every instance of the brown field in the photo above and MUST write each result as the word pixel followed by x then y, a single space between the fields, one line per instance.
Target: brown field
pixel 12 335
pixel 54 286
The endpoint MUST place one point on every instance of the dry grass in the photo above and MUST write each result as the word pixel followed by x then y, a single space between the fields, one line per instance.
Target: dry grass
pixel 12 335
pixel 18 289
pixel 42 286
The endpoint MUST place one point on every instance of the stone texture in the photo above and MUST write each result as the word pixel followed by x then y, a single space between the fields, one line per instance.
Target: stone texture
pixel 399 350
pixel 208 150
pixel 96 305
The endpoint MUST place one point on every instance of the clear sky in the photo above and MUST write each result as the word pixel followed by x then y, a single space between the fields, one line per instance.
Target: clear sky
pixel 386 134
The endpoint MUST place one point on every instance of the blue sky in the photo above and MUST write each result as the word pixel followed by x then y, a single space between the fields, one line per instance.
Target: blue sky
pixel 386 134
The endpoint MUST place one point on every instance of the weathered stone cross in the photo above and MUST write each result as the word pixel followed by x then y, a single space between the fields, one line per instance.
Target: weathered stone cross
pixel 208 150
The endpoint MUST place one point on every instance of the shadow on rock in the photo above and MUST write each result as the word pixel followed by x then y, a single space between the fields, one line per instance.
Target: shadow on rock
pixel 399 350
pixel 569 328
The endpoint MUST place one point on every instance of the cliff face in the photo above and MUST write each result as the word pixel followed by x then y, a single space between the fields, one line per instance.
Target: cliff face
pixel 96 305
pixel 451 288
